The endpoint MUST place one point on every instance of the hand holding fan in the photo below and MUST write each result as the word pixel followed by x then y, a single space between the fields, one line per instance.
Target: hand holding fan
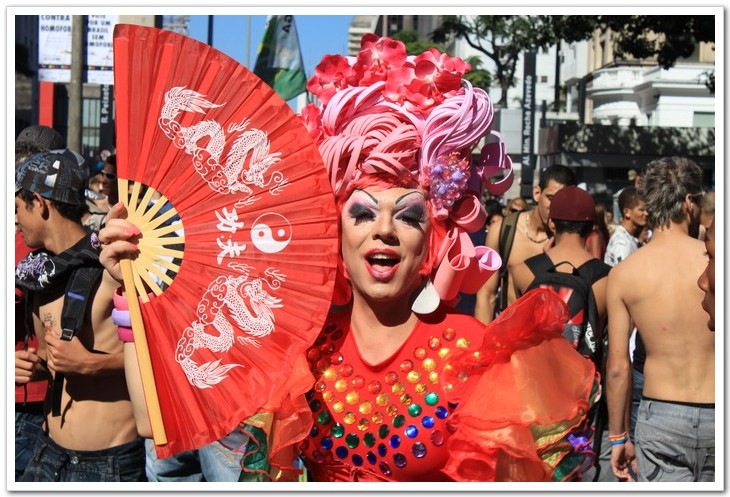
pixel 239 233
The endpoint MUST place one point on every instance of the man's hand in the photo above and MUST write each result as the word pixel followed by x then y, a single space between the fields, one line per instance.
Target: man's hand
pixel 68 357
pixel 621 457
pixel 118 240
pixel 26 362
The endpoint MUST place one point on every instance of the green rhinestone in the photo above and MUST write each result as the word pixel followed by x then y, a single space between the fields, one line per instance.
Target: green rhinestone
pixel 414 409
pixel 432 398
pixel 338 430
pixel 399 420
pixel 324 417
pixel 369 439
pixel 383 431
pixel 352 440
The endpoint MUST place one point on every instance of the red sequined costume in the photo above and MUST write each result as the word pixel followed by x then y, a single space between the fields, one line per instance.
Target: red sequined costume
pixel 458 401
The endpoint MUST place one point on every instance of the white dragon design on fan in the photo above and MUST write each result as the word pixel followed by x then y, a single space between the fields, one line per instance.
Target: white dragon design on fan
pixel 224 302
pixel 250 144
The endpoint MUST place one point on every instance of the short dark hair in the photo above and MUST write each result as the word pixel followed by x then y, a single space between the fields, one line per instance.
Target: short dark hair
pixel 583 228
pixel 628 198
pixel 72 212
pixel 558 173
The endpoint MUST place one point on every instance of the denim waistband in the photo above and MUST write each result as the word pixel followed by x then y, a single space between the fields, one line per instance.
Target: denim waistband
pixel 90 455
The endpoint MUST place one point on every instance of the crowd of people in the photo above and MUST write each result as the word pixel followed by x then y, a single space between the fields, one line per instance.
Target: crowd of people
pixel 404 387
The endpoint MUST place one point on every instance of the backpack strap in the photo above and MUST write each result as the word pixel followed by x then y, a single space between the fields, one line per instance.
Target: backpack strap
pixel 81 285
pixel 539 263
pixel 506 238
pixel 594 270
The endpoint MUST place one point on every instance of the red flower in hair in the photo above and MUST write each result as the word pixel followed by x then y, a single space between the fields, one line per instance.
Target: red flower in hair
pixel 331 75
pixel 377 56
pixel 436 76
pixel 312 118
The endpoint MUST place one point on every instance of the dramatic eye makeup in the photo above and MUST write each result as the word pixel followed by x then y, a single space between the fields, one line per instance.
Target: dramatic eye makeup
pixel 361 206
pixel 411 208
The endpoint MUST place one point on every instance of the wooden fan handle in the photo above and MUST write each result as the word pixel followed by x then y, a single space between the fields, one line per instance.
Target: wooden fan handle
pixel 143 356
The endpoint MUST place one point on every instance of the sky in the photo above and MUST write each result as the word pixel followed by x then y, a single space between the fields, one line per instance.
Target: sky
pixel 319 35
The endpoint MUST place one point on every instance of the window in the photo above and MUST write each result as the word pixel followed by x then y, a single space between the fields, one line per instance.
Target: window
pixel 703 120
pixel 543 79
pixel 90 118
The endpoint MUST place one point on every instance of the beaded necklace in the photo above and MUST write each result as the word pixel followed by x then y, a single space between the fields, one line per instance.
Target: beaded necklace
pixel 527 233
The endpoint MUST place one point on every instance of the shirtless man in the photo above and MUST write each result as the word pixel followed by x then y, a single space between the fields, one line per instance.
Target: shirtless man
pixel 531 238
pixel 94 438
pixel 656 288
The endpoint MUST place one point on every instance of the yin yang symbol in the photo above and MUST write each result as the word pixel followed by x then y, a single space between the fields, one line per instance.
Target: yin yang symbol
pixel 271 233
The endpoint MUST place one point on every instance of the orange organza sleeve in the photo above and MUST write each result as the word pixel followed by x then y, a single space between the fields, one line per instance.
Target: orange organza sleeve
pixel 524 395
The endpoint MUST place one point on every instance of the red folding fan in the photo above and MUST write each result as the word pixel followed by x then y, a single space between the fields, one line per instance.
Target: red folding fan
pixel 239 233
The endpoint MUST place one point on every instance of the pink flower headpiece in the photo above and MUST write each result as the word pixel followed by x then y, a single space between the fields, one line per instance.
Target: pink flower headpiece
pixel 415 118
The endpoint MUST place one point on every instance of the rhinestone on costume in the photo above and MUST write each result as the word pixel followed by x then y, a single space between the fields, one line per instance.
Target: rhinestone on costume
pixel 448 387
pixel 411 431
pixel 366 407
pixel 400 460
pixel 399 420
pixel 382 399
pixel 449 334
pixel 328 396
pixel 341 385
pixel 372 459
pixel 338 407
pixel 429 364
pixel 382 449
pixel 463 376
pixel 419 353
pixel 428 422
pixel 443 352
pixel 398 388
pixel 337 359
pixel 368 439
pixel 345 370
pixel 395 441
pixel 385 469
pixel 352 440
pixel 434 343
pixel 391 377
pixel 357 459
pixel 313 354
pixel 406 399
pixel 406 366
pixel 419 449
pixel 377 417
pixel 349 418
pixel 352 398
pixel 330 374
pixel 462 343
pixel 433 377
pixel 441 412
pixel 328 348
pixel 363 424
pixel 314 431
pixel 326 443
pixel 414 376
pixel 318 456
pixel 374 387
pixel 315 405
pixel 322 364
pixel 392 410
pixel 421 388
pixel 337 430
pixel 320 386
pixel 337 334
pixel 357 382
pixel 324 417
pixel 415 410
pixel 437 438
pixel 383 431
pixel 341 452
pixel 432 398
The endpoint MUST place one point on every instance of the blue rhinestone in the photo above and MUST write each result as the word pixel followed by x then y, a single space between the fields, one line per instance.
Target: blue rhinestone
pixel 382 450
pixel 395 441
pixel 384 468
pixel 441 412
pixel 314 431
pixel 341 452
pixel 427 422
pixel 419 449
pixel 411 431
pixel 326 443
pixel 357 459
pixel 400 460
pixel 371 457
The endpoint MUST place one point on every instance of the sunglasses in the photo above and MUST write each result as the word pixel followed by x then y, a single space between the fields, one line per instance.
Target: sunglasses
pixel 109 175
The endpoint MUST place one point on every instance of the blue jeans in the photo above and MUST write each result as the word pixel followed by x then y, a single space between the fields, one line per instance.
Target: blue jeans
pixel 28 428
pixel 213 462
pixel 51 462
pixel 675 442
pixel 637 377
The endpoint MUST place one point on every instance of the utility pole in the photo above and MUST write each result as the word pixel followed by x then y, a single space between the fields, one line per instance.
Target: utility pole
pixel 210 30
pixel 73 138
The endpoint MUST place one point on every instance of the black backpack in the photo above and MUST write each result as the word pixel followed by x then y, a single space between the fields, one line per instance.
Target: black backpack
pixel 575 288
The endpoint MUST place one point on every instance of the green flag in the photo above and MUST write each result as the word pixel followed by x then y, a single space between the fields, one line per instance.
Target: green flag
pixel 279 62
